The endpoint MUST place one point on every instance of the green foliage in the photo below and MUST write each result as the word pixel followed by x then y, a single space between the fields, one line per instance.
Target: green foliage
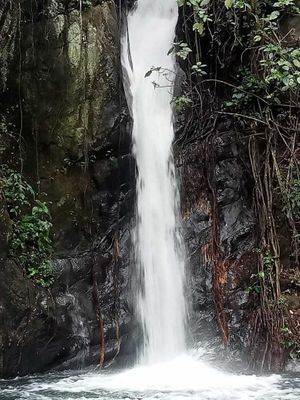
pixel 256 280
pixel 30 243
pixel 243 95
pixel 17 193
pixel 86 3
pixel 276 70
pixel 287 5
pixel 201 14
pixel 181 103
pixel 199 69
pixel 152 69
pixel 281 5
pixel 181 49
pixel 237 4
pixel 269 260
pixel 294 198
pixel 280 69
pixel 282 301
pixel 295 279
pixel 290 343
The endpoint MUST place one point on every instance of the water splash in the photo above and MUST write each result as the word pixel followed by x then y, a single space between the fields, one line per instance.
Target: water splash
pixel 183 378
pixel 159 256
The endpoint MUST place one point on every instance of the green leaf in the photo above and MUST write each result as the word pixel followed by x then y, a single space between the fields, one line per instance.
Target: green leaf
pixel 148 73
pixel 199 27
pixel 297 63
pixel 274 15
pixel 257 38
pixel 228 3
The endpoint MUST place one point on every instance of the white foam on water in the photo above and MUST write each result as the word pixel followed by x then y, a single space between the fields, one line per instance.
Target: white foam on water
pixel 181 378
pixel 182 374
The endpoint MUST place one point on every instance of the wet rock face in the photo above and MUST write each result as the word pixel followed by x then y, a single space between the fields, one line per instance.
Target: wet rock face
pixel 74 97
pixel 62 78
pixel 35 329
pixel 219 230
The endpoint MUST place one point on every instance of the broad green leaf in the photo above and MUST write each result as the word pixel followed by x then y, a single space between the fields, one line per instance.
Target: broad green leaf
pixel 274 15
pixel 296 63
pixel 199 27
pixel 228 3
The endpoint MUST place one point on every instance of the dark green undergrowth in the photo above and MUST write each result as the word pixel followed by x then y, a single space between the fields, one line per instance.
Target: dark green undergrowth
pixel 30 243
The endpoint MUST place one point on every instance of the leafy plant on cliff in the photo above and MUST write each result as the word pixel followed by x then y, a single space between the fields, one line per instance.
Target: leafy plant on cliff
pixel 85 3
pixel 200 11
pixel 30 242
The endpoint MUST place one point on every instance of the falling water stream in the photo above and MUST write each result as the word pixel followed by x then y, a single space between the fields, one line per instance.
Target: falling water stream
pixel 159 256
pixel 166 370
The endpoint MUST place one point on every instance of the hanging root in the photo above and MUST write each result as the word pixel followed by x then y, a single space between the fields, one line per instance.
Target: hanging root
pixel 213 253
pixel 99 319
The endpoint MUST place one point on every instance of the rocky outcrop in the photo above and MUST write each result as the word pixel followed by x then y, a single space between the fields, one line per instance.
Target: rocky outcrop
pixel 219 226
pixel 64 123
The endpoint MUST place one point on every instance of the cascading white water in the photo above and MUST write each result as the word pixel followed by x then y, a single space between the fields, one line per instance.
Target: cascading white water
pixel 159 256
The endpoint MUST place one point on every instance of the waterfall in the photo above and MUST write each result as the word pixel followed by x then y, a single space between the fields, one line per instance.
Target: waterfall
pixel 150 33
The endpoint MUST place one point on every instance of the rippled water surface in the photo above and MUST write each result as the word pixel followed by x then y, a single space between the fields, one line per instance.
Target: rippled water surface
pixel 181 379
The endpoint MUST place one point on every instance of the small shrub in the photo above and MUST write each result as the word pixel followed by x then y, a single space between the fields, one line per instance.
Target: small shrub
pixel 30 242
